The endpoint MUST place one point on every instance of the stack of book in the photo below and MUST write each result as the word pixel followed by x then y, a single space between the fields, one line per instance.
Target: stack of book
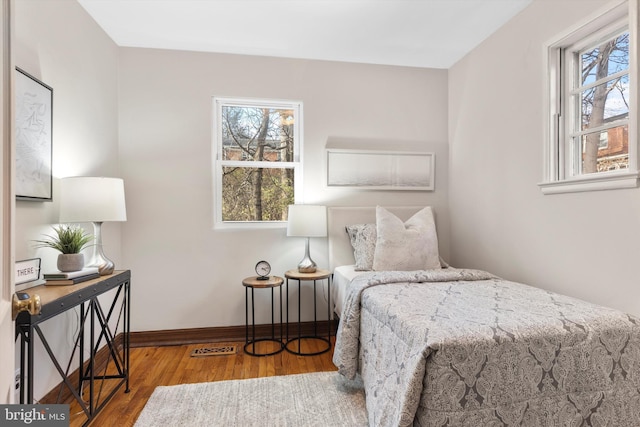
pixel 72 277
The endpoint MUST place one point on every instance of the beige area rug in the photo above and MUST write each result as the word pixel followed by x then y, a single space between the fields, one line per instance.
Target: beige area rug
pixel 317 399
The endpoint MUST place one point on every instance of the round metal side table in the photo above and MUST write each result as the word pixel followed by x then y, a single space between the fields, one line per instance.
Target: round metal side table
pixel 300 277
pixel 255 283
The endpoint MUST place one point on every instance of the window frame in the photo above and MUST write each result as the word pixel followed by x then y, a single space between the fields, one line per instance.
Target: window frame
pixel 618 15
pixel 218 103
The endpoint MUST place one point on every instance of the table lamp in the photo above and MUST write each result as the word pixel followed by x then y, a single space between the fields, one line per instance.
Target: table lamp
pixel 95 200
pixel 307 221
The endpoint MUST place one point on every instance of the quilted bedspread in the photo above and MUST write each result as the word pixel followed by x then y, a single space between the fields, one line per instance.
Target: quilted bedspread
pixel 455 347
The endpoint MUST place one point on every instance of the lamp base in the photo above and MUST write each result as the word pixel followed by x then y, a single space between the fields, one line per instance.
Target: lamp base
pixel 105 266
pixel 98 259
pixel 306 265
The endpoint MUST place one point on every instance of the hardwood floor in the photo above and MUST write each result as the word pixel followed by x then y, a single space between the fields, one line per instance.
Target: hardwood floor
pixel 170 365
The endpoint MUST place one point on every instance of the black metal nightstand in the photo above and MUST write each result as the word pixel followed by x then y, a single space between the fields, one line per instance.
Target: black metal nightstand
pixel 253 283
pixel 300 277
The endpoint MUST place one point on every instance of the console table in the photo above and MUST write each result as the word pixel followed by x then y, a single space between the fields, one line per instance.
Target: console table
pixel 102 328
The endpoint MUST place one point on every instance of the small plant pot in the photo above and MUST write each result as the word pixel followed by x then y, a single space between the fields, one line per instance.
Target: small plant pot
pixel 70 262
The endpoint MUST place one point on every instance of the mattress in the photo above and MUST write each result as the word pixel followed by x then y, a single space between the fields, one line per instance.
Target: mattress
pixel 342 277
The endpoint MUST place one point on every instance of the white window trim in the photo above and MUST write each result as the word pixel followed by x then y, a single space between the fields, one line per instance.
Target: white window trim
pixel 554 163
pixel 216 152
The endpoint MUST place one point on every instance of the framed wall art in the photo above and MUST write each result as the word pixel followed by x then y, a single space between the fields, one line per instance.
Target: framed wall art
pixel 380 170
pixel 33 133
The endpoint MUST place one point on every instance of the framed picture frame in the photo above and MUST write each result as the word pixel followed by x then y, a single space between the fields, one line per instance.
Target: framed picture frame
pixel 33 133
pixel 381 170
pixel 27 270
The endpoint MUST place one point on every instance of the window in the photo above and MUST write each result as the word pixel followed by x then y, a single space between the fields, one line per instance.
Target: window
pixel 592 134
pixel 258 169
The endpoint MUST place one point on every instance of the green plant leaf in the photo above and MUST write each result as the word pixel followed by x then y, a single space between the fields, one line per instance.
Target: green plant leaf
pixel 68 239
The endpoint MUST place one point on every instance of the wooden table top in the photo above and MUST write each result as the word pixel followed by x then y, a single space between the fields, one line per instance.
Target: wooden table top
pixel 316 275
pixel 49 294
pixel 271 282
pixel 56 299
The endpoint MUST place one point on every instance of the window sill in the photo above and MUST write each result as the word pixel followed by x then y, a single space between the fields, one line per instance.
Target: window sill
pixel 596 182
pixel 249 225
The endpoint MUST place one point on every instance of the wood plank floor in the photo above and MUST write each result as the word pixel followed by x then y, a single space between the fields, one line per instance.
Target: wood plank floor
pixel 171 365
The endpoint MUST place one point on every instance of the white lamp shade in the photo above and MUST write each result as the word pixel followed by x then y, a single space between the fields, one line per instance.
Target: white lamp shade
pixel 92 199
pixel 307 221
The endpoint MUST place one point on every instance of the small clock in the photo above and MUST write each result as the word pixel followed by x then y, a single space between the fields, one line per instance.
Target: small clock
pixel 263 268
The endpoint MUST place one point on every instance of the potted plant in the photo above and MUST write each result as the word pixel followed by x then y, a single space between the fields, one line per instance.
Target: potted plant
pixel 69 240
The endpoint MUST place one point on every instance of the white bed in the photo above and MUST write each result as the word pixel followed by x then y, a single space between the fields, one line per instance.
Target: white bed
pixel 459 347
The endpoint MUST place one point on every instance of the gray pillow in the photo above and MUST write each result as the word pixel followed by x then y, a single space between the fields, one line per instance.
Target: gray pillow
pixel 363 241
pixel 412 245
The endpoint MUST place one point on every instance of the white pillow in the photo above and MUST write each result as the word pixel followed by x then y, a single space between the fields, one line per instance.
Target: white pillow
pixel 408 246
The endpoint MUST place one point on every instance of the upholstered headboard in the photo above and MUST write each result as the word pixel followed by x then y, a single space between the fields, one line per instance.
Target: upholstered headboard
pixel 340 250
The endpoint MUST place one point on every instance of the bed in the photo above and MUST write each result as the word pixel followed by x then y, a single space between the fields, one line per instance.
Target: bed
pixel 442 346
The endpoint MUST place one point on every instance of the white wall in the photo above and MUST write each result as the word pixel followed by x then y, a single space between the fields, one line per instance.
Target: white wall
pixel 586 244
pixel 187 275
pixel 59 43
pixel 145 115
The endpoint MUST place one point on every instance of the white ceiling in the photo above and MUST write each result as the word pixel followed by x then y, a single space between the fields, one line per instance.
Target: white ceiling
pixel 416 33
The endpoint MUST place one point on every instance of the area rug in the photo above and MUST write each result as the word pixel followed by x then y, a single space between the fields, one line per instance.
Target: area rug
pixel 316 399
